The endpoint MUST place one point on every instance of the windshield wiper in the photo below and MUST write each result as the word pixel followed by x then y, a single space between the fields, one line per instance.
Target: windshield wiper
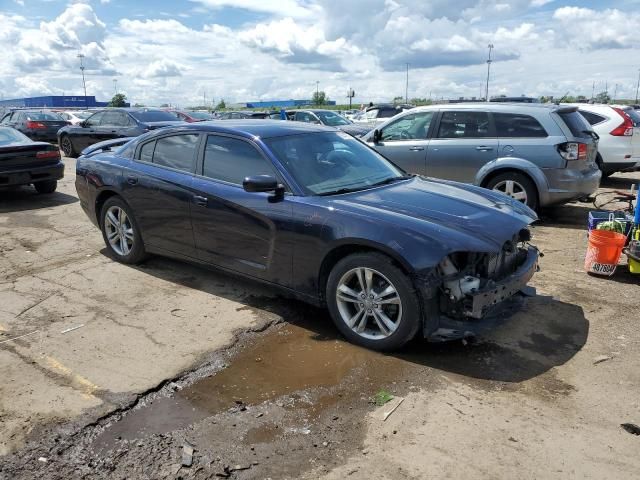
pixel 343 190
pixel 592 134
pixel 389 180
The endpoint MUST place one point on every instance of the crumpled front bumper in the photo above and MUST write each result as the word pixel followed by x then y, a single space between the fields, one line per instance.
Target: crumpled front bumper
pixel 483 300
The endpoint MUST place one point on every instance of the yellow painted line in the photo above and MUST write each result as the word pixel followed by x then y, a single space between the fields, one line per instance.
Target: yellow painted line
pixel 79 381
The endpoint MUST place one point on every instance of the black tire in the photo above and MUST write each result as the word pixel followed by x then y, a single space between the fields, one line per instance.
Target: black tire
pixel 66 145
pixel 48 186
pixel 600 163
pixel 136 252
pixel 409 321
pixel 522 180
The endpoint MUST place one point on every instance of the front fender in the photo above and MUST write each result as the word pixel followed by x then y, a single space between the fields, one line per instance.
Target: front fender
pixel 518 164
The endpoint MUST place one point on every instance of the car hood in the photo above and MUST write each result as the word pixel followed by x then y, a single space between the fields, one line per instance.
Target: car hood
pixel 458 215
pixel 355 130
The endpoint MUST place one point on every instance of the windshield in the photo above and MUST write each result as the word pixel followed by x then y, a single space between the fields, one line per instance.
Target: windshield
pixel 332 119
pixel 10 136
pixel 43 116
pixel 153 116
pixel 330 162
pixel 200 115
pixel 579 127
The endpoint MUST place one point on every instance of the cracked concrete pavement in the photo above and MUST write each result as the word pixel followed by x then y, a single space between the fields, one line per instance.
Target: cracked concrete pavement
pixel 140 325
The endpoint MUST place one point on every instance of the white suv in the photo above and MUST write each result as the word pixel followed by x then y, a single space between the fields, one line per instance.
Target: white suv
pixel 619 131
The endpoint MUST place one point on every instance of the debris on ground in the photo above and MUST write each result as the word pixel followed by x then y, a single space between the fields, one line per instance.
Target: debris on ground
pixel 632 428
pixel 43 459
pixel 601 358
pixel 393 408
pixel 187 454
pixel 71 329
pixel 382 397
pixel 240 467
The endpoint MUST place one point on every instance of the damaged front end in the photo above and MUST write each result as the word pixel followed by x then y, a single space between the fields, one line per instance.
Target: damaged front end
pixel 468 288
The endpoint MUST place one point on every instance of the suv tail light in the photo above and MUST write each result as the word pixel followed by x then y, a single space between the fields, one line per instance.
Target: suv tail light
pixel 625 129
pixel 36 125
pixel 48 154
pixel 573 151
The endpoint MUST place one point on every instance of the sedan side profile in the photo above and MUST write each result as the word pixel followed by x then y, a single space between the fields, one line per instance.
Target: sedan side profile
pixel 320 215
pixel 112 123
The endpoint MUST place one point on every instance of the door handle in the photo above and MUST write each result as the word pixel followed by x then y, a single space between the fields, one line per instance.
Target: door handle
pixel 484 148
pixel 416 149
pixel 131 180
pixel 198 200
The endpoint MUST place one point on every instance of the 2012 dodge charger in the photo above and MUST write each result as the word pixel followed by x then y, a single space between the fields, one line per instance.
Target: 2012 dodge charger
pixel 318 214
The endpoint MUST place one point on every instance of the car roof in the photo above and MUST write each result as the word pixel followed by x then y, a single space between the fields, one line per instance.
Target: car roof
pixel 252 128
pixel 499 106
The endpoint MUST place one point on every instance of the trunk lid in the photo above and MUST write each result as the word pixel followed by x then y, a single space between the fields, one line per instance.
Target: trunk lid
pixel 26 155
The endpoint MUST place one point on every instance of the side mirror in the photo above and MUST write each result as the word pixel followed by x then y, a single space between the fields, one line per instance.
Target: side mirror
pixel 263 183
pixel 84 124
pixel 377 135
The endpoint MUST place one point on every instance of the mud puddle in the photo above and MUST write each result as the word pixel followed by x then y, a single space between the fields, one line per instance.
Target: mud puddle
pixel 291 362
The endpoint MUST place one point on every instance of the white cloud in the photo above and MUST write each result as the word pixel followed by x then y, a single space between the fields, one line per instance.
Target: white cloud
pixel 289 8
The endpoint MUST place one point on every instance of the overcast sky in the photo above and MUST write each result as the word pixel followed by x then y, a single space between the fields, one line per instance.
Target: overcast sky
pixel 241 50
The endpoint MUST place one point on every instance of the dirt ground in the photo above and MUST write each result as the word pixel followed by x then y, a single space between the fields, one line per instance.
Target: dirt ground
pixel 120 371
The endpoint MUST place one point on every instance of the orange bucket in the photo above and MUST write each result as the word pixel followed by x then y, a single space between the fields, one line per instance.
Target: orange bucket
pixel 603 252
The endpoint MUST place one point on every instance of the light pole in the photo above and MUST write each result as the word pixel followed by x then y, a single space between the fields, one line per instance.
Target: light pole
pixel 115 85
pixel 490 46
pixel 615 93
pixel 638 86
pixel 406 87
pixel 84 85
pixel 317 92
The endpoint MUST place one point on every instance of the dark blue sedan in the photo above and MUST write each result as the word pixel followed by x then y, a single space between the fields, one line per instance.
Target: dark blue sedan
pixel 318 214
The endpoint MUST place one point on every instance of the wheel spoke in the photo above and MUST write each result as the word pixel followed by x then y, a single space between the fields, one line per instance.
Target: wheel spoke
pixel 368 278
pixel 128 234
pixel 124 246
pixel 363 322
pixel 111 235
pixel 352 321
pixel 521 196
pixel 388 295
pixel 112 219
pixel 361 280
pixel 508 189
pixel 388 323
pixel 381 325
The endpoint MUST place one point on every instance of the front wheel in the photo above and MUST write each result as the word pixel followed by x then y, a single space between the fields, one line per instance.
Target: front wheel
pixel 48 186
pixel 372 302
pixel 120 232
pixel 67 146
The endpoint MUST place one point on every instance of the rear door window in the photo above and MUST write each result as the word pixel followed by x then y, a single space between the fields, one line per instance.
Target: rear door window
pixel 232 160
pixel 592 118
pixel 176 151
pixel 635 116
pixel 513 125
pixel 146 151
pixel 94 119
pixel 577 124
pixel 464 124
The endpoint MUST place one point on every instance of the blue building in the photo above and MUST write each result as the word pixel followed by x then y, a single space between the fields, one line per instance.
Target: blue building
pixel 58 101
pixel 284 103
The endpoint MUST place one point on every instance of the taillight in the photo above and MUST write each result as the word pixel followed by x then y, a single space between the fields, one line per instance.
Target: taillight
pixel 573 150
pixel 48 154
pixel 36 125
pixel 625 129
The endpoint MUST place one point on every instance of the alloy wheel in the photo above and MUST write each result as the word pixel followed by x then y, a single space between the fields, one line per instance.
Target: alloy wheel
pixel 119 230
pixel 369 304
pixel 513 189
pixel 67 148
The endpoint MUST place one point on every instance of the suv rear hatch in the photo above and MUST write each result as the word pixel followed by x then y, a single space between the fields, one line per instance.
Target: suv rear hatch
pixel 581 149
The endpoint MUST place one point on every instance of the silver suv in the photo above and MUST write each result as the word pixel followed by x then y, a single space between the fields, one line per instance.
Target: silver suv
pixel 538 154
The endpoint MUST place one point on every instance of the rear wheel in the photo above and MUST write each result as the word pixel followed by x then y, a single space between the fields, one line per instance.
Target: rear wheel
pixel 67 146
pixel 600 163
pixel 372 302
pixel 120 232
pixel 517 186
pixel 48 186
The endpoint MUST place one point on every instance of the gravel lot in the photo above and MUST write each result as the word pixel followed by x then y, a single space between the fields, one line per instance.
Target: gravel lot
pixel 168 353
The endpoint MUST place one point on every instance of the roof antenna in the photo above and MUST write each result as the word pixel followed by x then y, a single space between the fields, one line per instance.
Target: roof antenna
pixel 558 102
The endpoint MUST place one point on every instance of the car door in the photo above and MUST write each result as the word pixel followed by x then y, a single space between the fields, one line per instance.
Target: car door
pixel 404 141
pixel 462 143
pixel 86 134
pixel 234 229
pixel 111 125
pixel 158 186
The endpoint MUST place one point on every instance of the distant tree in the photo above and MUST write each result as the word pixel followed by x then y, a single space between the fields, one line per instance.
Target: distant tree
pixel 319 98
pixel 165 105
pixel 138 104
pixel 398 99
pixel 603 97
pixel 221 105
pixel 118 100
